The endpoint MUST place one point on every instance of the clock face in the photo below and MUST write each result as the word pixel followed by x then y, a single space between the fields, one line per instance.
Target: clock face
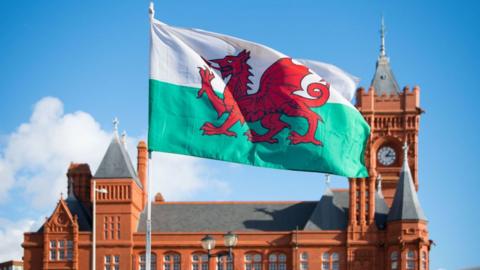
pixel 386 155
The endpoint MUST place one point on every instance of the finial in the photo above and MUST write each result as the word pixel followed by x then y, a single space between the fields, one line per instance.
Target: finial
pixel 151 10
pixel 115 125
pixel 382 37
pixel 124 138
pixel 327 180
pixel 61 195
pixel 405 151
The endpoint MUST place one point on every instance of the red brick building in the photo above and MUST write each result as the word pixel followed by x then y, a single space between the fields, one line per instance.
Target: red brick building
pixel 377 223
pixel 11 265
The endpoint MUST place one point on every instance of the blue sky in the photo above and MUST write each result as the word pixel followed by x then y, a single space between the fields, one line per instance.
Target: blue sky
pixel 92 56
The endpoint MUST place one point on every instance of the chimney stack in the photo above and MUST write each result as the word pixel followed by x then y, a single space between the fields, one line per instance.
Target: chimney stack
pixel 142 163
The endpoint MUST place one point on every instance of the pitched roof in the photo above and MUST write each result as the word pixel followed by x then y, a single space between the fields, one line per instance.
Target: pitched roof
pixel 330 213
pixel 406 205
pixel 384 81
pixel 84 217
pixel 116 163
pixel 228 216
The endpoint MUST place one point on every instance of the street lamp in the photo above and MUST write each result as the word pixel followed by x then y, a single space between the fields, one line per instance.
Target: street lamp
pixel 208 243
pixel 94 214
pixel 230 240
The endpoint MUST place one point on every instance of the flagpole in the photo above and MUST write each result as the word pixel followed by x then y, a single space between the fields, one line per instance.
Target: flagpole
pixel 148 234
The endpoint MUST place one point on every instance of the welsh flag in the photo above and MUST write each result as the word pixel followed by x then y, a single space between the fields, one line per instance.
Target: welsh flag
pixel 220 97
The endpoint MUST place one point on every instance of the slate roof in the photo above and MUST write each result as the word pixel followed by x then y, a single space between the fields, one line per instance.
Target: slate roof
pixel 384 81
pixel 330 213
pixel 406 205
pixel 84 217
pixel 76 208
pixel 116 163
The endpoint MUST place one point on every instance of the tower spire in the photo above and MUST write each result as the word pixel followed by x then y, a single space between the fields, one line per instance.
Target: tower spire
pixel 382 38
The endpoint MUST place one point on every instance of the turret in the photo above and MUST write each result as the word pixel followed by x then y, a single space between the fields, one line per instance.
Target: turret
pixel 407 234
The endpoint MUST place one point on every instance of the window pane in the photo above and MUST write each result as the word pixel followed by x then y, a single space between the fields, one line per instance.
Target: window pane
pixel 257 266
pixel 335 266
pixel 53 244
pixel 195 266
pixel 304 256
pixel 142 258
pixel 394 265
pixel 167 258
pixel 248 257
pixel 334 256
pixel 108 259
pixel 61 243
pixel 325 256
pixel 410 254
pixel 325 266
pixel 69 244
pixel 272 266
pixel 176 258
pixel 282 258
pixel 272 258
pixel 282 266
pixel 69 254
pixel 117 259
pixel 195 258
pixel 153 258
pixel 304 266
pixel 394 256
pixel 410 265
pixel 257 258
pixel 53 255
pixel 61 254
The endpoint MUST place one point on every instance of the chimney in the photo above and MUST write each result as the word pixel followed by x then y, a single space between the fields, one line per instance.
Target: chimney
pixel 79 177
pixel 142 163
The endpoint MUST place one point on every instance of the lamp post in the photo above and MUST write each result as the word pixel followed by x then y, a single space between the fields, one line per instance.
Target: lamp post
pixel 230 240
pixel 94 214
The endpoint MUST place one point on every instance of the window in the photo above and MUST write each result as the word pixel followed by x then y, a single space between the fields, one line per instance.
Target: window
pixel 199 261
pixel 61 250
pixel 424 260
pixel 143 259
pixel 330 261
pixel 394 260
pixel 112 262
pixel 111 227
pixel 277 261
pixel 171 261
pixel 225 262
pixel 253 261
pixel 335 261
pixel 410 259
pixel 304 261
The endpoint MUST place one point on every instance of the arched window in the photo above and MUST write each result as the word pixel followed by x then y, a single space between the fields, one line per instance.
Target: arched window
pixel 142 262
pixel 171 261
pixel 304 261
pixel 410 259
pixel 394 260
pixel 424 260
pixel 277 261
pixel 225 262
pixel 199 261
pixel 253 261
pixel 335 261
pixel 330 261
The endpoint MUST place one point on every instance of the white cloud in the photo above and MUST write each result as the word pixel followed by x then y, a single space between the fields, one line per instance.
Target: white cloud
pixel 11 234
pixel 34 160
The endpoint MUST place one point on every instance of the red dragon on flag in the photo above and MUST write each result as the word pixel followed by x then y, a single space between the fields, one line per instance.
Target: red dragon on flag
pixel 275 97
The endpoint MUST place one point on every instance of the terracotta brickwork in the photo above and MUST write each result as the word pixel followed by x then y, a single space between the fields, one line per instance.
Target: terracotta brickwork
pixel 368 240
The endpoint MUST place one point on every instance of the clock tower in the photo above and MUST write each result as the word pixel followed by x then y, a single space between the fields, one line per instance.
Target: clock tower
pixel 393 116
